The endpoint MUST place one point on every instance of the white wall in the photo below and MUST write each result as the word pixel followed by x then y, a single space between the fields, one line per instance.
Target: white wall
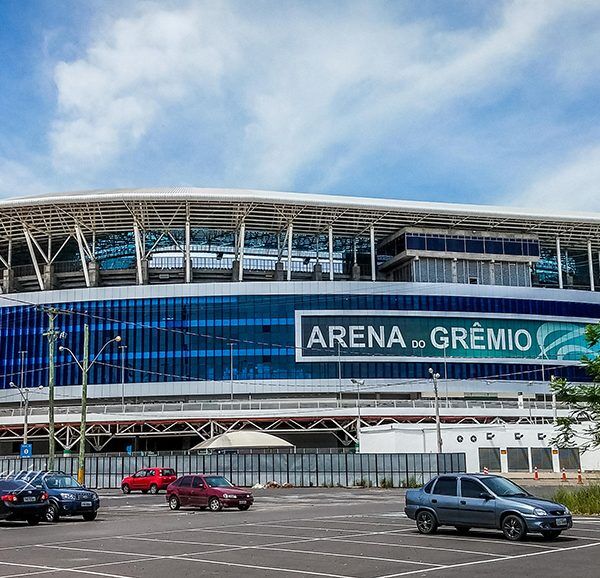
pixel 399 438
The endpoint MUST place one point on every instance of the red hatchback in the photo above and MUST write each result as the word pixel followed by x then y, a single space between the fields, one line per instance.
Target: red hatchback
pixel 212 492
pixel 149 480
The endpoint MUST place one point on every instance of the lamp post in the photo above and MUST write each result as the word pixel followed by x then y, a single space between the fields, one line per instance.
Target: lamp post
pixel 123 348
pixel 24 393
pixel 435 377
pixel 85 365
pixel 358 383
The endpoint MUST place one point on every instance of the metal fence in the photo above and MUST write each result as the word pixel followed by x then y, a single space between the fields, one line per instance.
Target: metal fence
pixel 301 470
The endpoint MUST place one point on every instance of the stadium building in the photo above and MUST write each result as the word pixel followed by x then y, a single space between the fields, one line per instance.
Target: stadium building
pixel 253 296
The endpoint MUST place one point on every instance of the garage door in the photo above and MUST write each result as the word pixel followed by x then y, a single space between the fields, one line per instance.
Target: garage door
pixel 569 458
pixel 489 458
pixel 518 459
pixel 541 458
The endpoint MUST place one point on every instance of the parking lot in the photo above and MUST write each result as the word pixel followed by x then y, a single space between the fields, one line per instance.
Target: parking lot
pixel 315 532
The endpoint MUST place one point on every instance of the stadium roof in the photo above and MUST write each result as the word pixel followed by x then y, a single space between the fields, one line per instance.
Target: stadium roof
pixel 106 211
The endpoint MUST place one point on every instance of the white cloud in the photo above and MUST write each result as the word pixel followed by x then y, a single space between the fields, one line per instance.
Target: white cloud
pixel 300 85
pixel 571 186
pixel 19 180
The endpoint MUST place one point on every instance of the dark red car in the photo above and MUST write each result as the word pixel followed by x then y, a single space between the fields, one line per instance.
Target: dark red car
pixel 149 480
pixel 212 492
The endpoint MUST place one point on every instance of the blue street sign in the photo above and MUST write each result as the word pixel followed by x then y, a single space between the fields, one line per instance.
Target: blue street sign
pixel 129 450
pixel 26 450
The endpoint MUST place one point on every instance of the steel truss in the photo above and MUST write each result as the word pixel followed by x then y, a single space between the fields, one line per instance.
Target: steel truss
pixel 344 428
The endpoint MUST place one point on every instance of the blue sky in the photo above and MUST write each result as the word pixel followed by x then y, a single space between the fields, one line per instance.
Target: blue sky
pixel 472 101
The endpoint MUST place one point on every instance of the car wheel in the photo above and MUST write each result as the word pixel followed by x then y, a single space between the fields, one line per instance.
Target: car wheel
pixel 551 534
pixel 33 521
pixel 463 529
pixel 90 516
pixel 426 522
pixel 125 489
pixel 514 528
pixel 174 503
pixel 154 489
pixel 243 507
pixel 52 513
pixel 215 505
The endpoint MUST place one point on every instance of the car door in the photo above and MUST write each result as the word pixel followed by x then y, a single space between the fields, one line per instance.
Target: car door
pixel 184 490
pixel 444 500
pixel 475 510
pixel 198 495
pixel 136 480
pixel 148 479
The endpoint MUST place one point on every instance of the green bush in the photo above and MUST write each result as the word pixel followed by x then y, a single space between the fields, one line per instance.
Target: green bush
pixel 386 483
pixel 585 500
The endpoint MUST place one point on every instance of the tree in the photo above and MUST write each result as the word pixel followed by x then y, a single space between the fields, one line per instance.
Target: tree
pixel 584 399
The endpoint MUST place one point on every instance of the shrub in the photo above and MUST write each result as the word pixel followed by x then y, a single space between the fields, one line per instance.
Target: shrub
pixel 585 500
pixel 386 483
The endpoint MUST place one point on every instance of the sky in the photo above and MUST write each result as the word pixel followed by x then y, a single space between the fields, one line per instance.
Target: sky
pixel 471 101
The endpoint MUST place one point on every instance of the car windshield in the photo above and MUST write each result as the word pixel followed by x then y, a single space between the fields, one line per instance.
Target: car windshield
pixel 503 487
pixel 55 482
pixel 168 472
pixel 218 482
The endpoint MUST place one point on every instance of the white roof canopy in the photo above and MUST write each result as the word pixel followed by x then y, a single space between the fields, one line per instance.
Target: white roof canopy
pixel 243 439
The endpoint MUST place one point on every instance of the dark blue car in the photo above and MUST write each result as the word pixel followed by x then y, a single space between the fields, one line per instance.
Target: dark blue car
pixel 66 497
pixel 468 501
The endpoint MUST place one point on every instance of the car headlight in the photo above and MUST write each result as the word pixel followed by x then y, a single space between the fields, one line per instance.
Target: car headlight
pixel 567 511
pixel 540 512
pixel 68 496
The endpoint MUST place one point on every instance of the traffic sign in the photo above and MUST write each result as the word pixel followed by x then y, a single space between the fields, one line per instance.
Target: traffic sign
pixel 26 450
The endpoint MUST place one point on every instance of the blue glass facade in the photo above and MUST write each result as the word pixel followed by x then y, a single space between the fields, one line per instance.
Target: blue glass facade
pixel 188 338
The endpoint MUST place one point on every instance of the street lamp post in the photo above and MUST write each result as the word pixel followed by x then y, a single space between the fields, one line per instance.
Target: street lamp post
pixel 24 393
pixel 85 365
pixel 435 377
pixel 358 383
pixel 123 348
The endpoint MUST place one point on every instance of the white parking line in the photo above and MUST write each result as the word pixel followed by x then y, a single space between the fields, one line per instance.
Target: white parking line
pixel 478 562
pixel 57 569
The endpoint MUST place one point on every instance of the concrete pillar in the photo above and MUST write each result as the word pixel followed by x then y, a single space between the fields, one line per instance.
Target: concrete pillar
pixel 144 271
pixel 454 270
pixel 559 263
pixel 235 270
pixel 317 273
pixel 356 272
pixel 279 271
pixel 492 272
pixel 8 281
pixel 94 269
pixel 48 276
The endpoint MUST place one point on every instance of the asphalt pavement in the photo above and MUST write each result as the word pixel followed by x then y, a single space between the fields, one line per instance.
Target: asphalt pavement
pixel 337 533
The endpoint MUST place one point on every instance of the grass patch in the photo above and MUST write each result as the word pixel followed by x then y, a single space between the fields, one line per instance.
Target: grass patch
pixel 585 500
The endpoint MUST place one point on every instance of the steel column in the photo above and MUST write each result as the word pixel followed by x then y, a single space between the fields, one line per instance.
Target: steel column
pixel 591 265
pixel 373 257
pixel 241 241
pixel 36 266
pixel 188 252
pixel 290 233
pixel 84 264
pixel 139 253
pixel 559 263
pixel 330 253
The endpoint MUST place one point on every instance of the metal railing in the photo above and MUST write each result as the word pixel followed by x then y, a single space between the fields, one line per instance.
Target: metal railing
pixel 281 405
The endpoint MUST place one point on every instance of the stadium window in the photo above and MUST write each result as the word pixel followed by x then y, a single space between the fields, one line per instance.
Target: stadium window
pixel 513 247
pixel 415 242
pixel 493 246
pixel 435 243
pixel 474 245
pixel 455 244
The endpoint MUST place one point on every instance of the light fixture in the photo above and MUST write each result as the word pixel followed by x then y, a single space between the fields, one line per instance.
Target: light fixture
pixel 518 436
pixel 489 435
pixel 541 436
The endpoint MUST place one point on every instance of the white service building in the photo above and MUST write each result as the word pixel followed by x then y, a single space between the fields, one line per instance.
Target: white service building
pixel 514 447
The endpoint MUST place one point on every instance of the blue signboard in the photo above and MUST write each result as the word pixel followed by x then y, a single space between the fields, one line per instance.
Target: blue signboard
pixel 26 450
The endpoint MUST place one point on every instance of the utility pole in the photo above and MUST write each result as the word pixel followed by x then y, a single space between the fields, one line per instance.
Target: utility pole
pixel 358 383
pixel 85 365
pixel 435 377
pixel 52 338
